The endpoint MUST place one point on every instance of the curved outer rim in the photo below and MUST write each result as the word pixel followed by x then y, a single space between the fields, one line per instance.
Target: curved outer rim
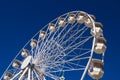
pixel 92 51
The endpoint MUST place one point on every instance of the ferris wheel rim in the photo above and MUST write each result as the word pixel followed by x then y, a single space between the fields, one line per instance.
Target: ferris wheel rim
pixel 92 51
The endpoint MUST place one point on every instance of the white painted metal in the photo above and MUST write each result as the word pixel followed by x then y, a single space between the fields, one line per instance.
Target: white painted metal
pixel 16 75
pixel 21 76
pixel 29 71
pixel 26 62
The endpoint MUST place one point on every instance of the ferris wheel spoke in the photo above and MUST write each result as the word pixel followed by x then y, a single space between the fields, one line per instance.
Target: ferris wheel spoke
pixel 67 70
pixel 83 53
pixel 58 54
pixel 76 64
pixel 77 44
pixel 32 75
pixel 57 67
pixel 75 59
pixel 16 75
pixel 20 78
pixel 32 53
pixel 52 50
pixel 36 74
pixel 52 76
pixel 29 72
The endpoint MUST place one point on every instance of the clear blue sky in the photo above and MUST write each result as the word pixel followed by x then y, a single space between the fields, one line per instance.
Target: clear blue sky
pixel 21 19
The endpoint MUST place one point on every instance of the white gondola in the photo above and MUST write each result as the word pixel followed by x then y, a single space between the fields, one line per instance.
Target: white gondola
pixel 62 22
pixel 71 18
pixel 16 64
pixel 93 17
pixel 24 53
pixel 100 45
pixel 52 27
pixel 88 21
pixel 33 43
pixel 62 78
pixel 81 17
pixel 7 75
pixel 98 29
pixel 42 34
pixel 96 69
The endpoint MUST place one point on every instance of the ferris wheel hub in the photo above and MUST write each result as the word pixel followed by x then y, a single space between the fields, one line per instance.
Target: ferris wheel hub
pixel 26 62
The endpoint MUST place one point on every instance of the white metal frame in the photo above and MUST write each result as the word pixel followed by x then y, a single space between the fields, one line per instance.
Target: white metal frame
pixel 43 46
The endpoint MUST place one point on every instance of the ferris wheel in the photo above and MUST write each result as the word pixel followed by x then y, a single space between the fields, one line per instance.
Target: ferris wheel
pixel 72 44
